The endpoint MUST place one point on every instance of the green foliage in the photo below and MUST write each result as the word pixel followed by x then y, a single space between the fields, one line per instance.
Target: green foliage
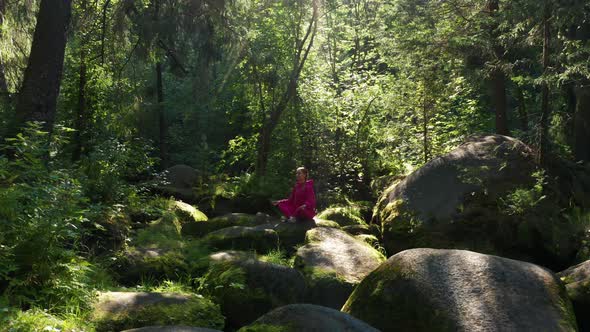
pixel 522 200
pixel 277 256
pixel 40 320
pixel 42 217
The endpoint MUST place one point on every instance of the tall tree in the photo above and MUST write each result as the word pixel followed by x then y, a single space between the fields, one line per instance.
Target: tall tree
pixel 303 45
pixel 38 96
pixel 3 83
pixel 497 75
pixel 544 127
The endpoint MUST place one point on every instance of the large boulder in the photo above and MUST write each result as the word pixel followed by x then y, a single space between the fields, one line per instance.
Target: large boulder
pixel 116 311
pixel 199 229
pixel 577 280
pixel 333 263
pixel 133 264
pixel 243 238
pixel 483 196
pixel 179 181
pixel 247 288
pixel 171 329
pixel 293 234
pixel 307 317
pixel 456 290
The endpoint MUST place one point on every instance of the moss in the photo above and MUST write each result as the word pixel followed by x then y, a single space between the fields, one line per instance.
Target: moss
pixel 187 213
pixel 243 238
pixel 343 215
pixel 199 229
pixel 371 240
pixel 389 300
pixel 326 223
pixel 162 233
pixel 142 263
pixel 197 311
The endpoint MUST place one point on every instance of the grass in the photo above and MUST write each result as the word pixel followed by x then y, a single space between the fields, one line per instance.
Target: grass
pixel 277 256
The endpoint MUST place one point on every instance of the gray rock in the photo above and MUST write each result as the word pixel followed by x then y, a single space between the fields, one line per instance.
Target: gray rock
pixel 577 280
pixel 243 238
pixel 171 329
pixel 462 200
pixel 179 181
pixel 115 302
pixel 456 290
pixel 246 288
pixel 308 318
pixel 333 263
pixel 199 229
pixel 116 311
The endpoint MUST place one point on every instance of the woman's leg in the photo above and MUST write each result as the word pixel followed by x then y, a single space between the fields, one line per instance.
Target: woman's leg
pixel 287 209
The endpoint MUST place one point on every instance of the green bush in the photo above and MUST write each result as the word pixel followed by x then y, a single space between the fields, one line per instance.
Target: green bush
pixel 40 320
pixel 42 211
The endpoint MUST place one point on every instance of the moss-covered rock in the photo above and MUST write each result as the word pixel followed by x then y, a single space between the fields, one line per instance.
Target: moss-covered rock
pixel 577 280
pixel 171 329
pixel 333 263
pixel 135 264
pixel 326 223
pixel 362 229
pixel 292 234
pixel 371 240
pixel 116 311
pixel 246 288
pixel 243 238
pixel 455 290
pixel 486 195
pixel 233 219
pixel 307 317
pixel 343 215
pixel 187 213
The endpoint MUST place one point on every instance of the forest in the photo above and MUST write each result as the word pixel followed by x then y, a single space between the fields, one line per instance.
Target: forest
pixel 142 143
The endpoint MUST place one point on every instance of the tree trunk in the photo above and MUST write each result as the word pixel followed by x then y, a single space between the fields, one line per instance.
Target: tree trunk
pixel 544 130
pixel 163 132
pixel 81 118
pixel 38 96
pixel 4 94
pixel 272 120
pixel 103 32
pixel 497 76
pixel 498 80
pixel 570 93
pixel 582 123
pixel 522 112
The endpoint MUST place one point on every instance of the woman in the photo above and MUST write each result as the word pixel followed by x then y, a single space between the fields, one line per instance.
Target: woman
pixel 301 202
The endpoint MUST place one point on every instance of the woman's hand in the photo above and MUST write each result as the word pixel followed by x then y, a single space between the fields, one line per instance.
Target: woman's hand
pixel 302 207
pixel 275 203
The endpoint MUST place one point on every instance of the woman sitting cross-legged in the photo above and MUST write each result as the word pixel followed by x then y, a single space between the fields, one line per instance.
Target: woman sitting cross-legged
pixel 301 202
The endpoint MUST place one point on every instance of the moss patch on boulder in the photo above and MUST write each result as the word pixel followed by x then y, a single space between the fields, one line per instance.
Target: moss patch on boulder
pixel 451 290
pixel 118 311
pixel 229 220
pixel 248 288
pixel 243 238
pixel 343 215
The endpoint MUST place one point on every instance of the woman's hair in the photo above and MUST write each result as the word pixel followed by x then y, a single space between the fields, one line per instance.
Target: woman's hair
pixel 303 170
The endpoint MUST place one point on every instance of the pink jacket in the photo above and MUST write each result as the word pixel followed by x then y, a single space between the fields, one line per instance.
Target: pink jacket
pixel 301 194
